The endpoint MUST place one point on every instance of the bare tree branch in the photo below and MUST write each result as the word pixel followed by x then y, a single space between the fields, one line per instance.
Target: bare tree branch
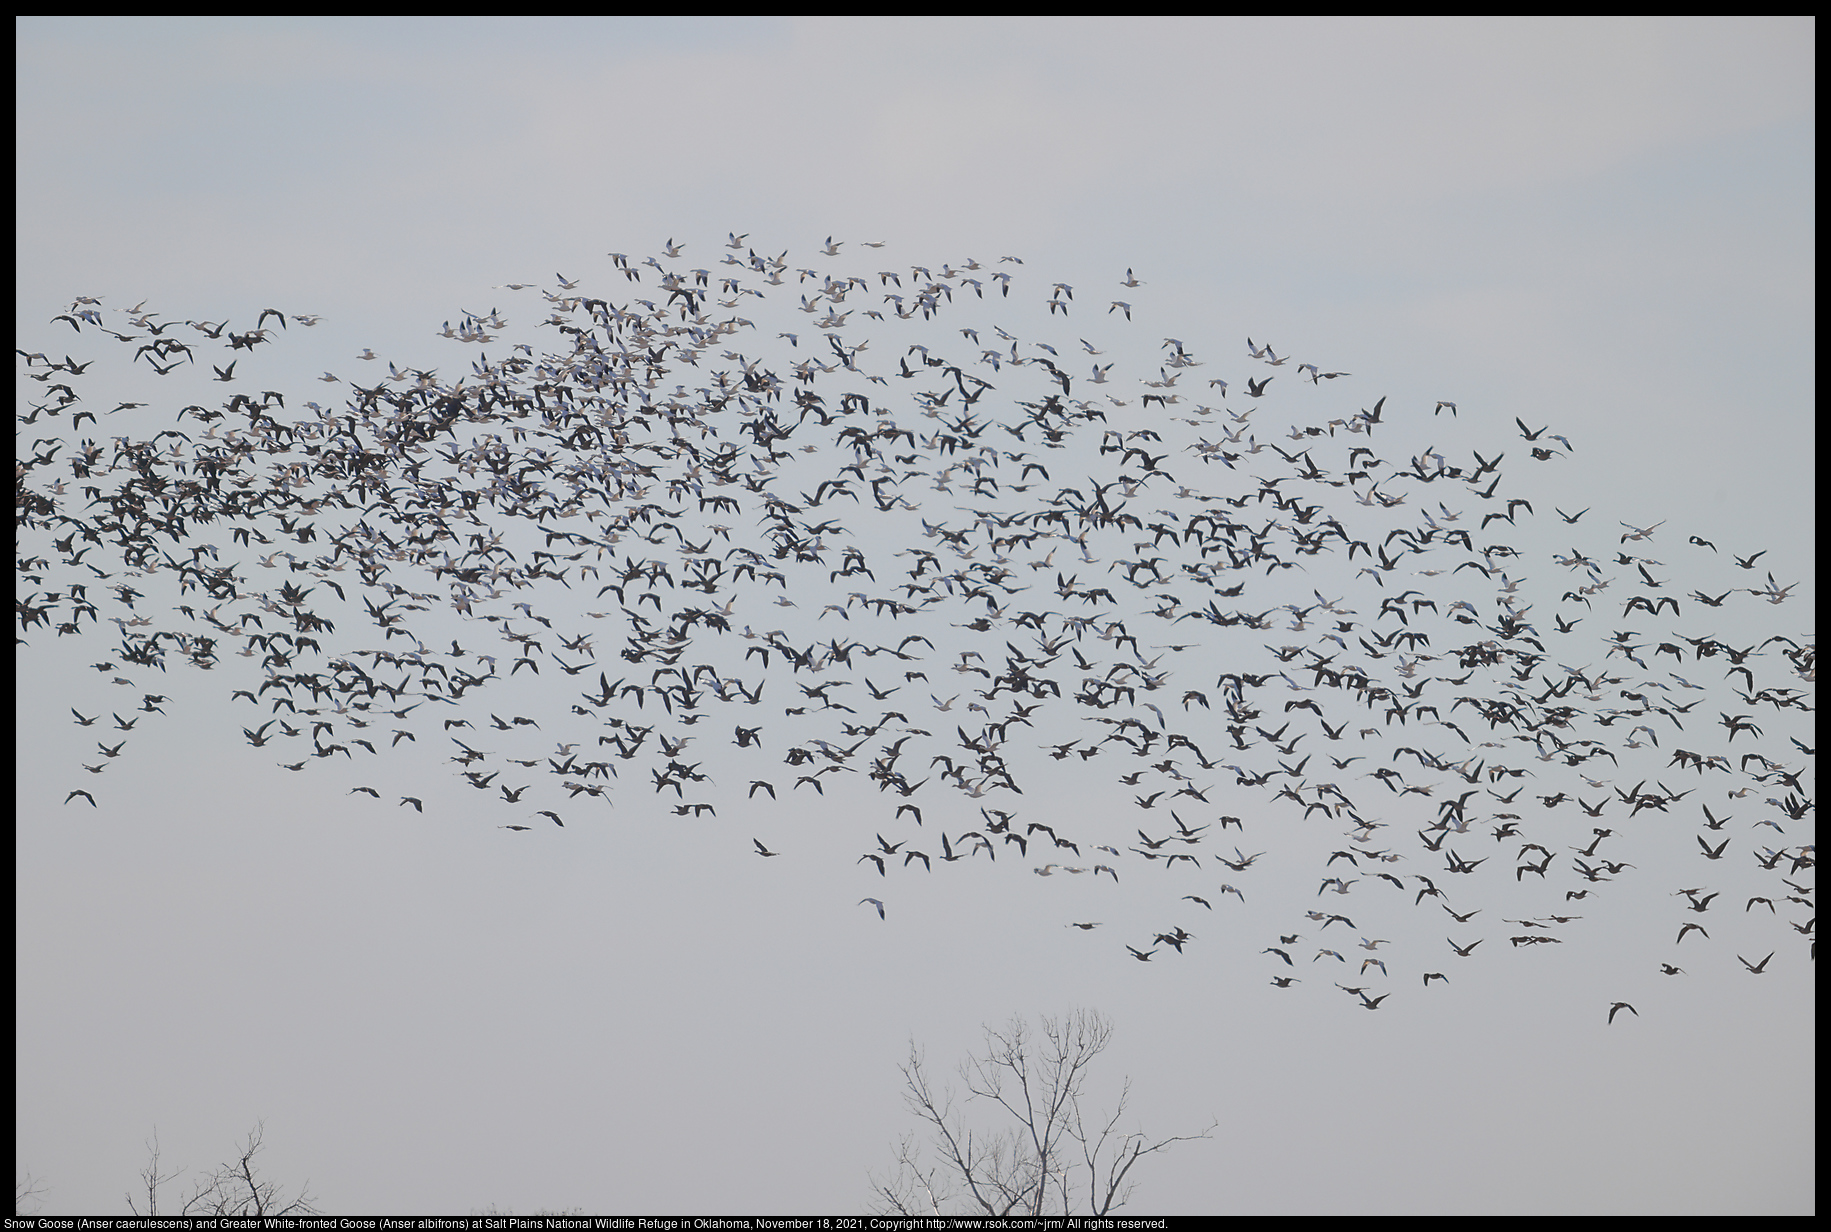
pixel 235 1188
pixel 28 1189
pixel 1029 1167
pixel 151 1178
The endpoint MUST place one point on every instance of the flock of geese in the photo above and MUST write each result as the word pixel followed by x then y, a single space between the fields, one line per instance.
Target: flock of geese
pixel 885 545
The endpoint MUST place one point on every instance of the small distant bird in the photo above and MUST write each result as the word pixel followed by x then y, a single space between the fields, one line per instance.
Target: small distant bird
pixel 875 902
pixel 1617 1007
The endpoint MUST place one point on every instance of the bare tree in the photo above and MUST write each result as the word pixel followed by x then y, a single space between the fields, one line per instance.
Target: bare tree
pixel 151 1177
pixel 235 1188
pixel 1050 1158
pixel 28 1189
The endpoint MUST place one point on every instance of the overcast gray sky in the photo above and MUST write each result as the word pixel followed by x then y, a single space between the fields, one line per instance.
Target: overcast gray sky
pixel 1602 224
